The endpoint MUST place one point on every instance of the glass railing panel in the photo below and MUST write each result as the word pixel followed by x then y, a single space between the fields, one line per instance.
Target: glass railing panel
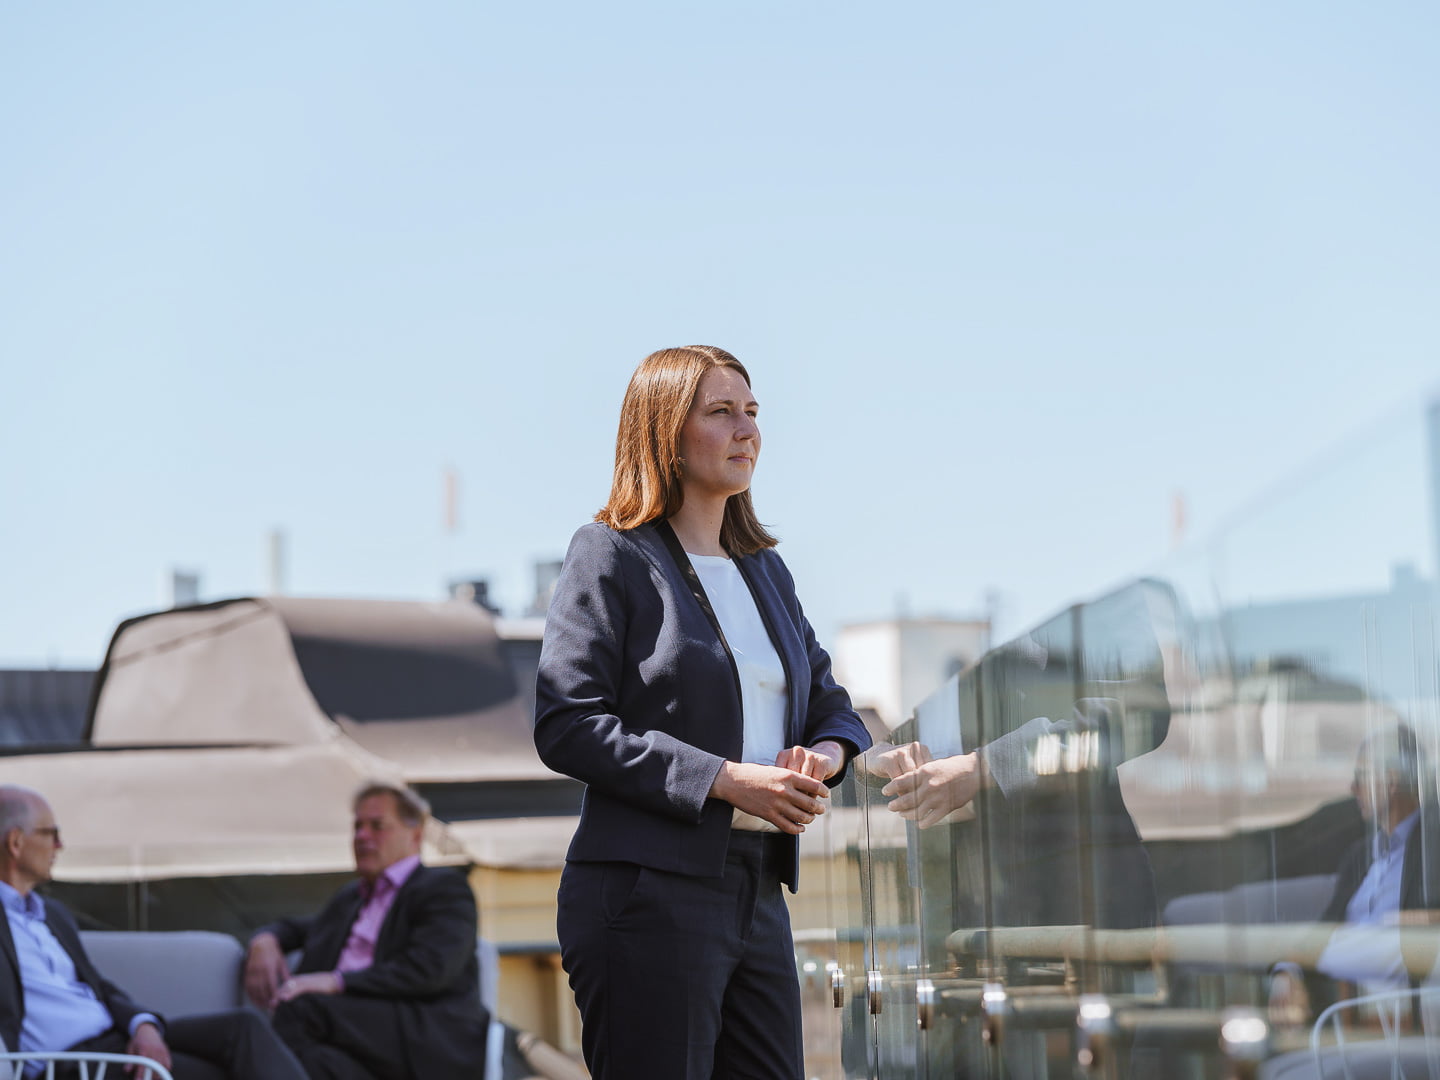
pixel 1097 847
pixel 894 904
pixel 831 939
pixel 1327 609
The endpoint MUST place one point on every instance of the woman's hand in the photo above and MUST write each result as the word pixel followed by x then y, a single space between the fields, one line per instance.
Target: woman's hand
pixel 784 797
pixel 890 761
pixel 933 790
pixel 822 761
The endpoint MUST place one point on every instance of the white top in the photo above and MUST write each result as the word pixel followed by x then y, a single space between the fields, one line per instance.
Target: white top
pixel 762 676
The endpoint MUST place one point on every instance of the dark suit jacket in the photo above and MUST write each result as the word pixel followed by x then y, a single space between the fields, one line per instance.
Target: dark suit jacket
pixel 1419 876
pixel 12 994
pixel 1051 836
pixel 1419 890
pixel 637 698
pixel 424 962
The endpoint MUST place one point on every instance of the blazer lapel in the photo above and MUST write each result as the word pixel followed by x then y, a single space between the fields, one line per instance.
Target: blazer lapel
pixel 353 903
pixel 7 947
pixel 71 944
pixel 7 941
pixel 395 915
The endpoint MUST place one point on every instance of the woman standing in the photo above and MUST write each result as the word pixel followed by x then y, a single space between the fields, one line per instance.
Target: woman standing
pixel 680 681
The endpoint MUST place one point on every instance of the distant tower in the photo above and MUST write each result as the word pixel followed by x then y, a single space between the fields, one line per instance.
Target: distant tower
pixel 450 506
pixel 182 587
pixel 1432 430
pixel 547 572
pixel 1179 520
pixel 474 591
pixel 275 562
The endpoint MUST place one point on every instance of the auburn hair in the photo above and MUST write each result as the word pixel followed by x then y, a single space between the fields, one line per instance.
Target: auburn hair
pixel 646 486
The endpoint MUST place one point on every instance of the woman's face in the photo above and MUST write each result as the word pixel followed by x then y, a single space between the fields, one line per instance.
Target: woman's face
pixel 720 440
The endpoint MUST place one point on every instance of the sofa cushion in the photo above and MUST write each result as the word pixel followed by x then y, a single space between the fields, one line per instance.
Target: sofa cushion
pixel 172 972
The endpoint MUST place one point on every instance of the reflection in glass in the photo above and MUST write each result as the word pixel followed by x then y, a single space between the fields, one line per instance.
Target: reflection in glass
pixel 1188 828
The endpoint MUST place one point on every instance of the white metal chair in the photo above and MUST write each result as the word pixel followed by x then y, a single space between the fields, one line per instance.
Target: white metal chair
pixel 13 1062
pixel 1393 1056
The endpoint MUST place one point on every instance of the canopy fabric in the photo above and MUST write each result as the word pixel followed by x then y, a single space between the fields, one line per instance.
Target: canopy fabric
pixel 140 815
pixel 425 685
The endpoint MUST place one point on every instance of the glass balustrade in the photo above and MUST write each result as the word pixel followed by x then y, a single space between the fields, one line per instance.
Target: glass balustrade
pixel 1186 828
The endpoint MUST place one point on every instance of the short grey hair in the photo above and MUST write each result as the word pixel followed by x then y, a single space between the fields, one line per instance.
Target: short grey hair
pixel 19 807
pixel 1396 751
pixel 411 809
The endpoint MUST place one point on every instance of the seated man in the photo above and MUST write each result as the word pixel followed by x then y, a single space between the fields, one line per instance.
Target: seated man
pixel 1385 880
pixel 388 984
pixel 52 998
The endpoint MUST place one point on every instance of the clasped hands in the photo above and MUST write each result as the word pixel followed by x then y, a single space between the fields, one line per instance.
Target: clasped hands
pixel 789 794
pixel 923 788
pixel 268 981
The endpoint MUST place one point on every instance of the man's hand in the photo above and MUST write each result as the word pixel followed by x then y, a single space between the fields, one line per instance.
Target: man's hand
pixel 1289 1000
pixel 317 982
pixel 933 790
pixel 147 1042
pixel 787 799
pixel 822 761
pixel 265 970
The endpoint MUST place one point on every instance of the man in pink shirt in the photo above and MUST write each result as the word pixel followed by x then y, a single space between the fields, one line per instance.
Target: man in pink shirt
pixel 388 985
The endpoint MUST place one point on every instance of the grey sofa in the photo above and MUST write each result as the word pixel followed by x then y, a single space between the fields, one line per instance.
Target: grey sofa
pixel 186 972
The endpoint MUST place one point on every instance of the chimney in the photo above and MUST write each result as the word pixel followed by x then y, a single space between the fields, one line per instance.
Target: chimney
pixel 474 591
pixel 547 572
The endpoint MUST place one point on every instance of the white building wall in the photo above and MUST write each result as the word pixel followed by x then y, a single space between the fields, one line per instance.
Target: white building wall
pixel 891 665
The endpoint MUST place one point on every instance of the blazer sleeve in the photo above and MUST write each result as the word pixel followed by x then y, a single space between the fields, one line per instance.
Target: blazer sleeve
pixel 583 667
pixel 439 921
pixel 829 713
pixel 292 933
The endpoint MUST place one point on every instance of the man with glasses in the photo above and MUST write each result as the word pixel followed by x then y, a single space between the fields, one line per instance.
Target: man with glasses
pixel 1389 878
pixel 53 998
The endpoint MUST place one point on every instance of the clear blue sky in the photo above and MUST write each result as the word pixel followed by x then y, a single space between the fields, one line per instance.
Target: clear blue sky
pixel 1006 276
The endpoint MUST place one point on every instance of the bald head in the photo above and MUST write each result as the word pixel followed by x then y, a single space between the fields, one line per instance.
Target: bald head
pixel 1388 771
pixel 29 837
pixel 19 806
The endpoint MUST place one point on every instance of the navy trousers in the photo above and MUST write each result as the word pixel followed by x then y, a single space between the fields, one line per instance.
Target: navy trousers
pixel 680 977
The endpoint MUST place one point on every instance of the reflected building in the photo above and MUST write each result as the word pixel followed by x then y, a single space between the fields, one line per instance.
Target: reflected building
pixel 1100 847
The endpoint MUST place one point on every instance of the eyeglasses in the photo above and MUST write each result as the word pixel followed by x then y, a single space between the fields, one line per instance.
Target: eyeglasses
pixel 52 831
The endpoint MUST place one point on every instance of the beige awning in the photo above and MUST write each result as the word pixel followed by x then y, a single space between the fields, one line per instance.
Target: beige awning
pixel 138 815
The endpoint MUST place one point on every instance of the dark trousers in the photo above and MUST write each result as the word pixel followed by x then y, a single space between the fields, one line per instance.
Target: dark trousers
pixel 680 977
pixel 339 1037
pixel 236 1044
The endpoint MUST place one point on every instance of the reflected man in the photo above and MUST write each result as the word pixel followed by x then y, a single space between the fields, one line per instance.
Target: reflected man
pixel 1385 879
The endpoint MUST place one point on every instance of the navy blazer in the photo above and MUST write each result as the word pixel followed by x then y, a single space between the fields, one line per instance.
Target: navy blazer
pixel 424 963
pixel 1419 871
pixel 637 697
pixel 12 994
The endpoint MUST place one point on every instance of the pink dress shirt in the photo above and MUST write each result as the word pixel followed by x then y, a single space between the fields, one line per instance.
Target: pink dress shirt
pixel 359 951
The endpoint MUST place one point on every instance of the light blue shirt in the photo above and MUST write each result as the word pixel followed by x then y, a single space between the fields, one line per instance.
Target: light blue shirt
pixel 1366 950
pixel 1378 897
pixel 60 1009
